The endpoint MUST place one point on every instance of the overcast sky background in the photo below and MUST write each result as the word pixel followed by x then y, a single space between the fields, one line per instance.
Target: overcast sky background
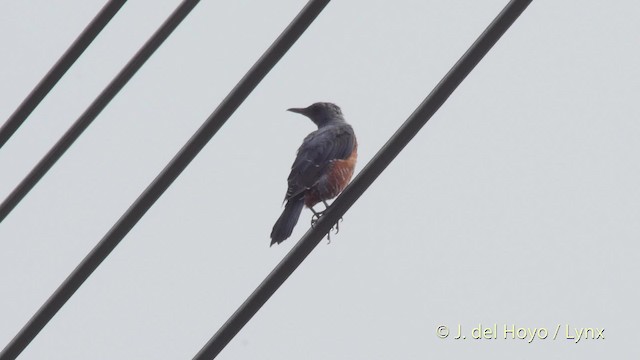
pixel 517 204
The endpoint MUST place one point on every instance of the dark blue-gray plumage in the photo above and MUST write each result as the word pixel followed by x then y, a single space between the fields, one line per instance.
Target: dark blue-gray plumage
pixel 323 166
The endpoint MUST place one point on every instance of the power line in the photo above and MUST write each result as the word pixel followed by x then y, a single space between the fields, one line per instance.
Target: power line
pixel 62 294
pixel 59 69
pixel 151 194
pixel 367 176
pixel 81 124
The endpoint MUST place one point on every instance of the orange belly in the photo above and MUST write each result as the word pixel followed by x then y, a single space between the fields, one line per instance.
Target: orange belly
pixel 338 175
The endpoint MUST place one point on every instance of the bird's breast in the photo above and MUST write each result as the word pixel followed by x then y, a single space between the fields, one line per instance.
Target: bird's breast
pixel 336 178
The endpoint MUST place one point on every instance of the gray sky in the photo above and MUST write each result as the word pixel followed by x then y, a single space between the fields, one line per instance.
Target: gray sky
pixel 517 204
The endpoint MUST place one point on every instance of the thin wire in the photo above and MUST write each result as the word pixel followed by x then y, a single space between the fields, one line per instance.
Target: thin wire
pixel 59 69
pixel 71 284
pixel 81 124
pixel 151 194
pixel 366 177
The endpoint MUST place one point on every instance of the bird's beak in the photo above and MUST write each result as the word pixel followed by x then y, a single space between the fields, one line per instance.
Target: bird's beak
pixel 298 110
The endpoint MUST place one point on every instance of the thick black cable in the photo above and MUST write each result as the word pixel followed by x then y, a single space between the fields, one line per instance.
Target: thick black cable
pixel 59 69
pixel 71 284
pixel 367 176
pixel 151 194
pixel 81 124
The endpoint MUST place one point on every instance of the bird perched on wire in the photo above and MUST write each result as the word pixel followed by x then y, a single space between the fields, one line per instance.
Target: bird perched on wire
pixel 322 169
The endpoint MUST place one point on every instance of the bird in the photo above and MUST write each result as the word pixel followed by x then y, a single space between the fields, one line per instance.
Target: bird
pixel 323 166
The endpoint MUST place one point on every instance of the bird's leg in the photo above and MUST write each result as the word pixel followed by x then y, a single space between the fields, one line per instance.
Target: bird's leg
pixel 337 224
pixel 315 217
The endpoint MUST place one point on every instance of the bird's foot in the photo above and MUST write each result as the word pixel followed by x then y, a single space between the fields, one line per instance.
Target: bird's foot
pixel 336 228
pixel 315 217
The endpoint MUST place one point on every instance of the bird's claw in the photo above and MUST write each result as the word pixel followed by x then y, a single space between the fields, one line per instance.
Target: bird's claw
pixel 335 227
pixel 315 217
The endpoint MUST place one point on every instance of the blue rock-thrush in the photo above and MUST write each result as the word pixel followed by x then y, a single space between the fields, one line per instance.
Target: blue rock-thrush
pixel 323 166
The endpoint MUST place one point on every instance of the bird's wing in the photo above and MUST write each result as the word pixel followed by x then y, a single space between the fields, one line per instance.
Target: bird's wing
pixel 315 154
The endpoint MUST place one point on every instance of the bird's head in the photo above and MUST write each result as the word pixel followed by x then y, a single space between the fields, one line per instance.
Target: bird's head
pixel 320 113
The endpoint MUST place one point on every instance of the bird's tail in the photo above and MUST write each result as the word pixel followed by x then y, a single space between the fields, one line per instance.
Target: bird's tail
pixel 287 221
